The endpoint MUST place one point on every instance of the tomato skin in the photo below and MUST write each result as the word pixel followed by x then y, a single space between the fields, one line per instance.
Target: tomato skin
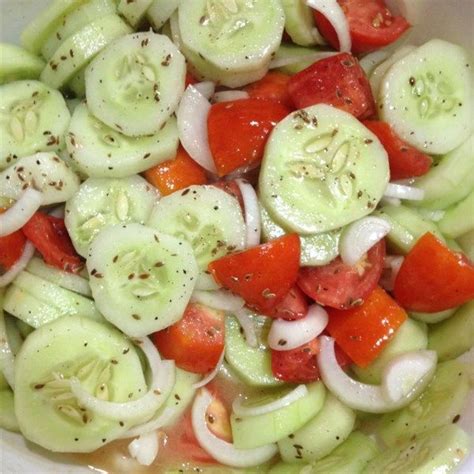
pixel 232 188
pixel 196 341
pixel 293 306
pixel 363 331
pixel 190 80
pixel 340 286
pixel 239 129
pixel 11 249
pixel 433 278
pixel 49 236
pixel 404 160
pixel 261 275
pixel 337 80
pixel 274 86
pixel 371 25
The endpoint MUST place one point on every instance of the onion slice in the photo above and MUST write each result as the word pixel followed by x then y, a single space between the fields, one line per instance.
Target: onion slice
pixel 206 88
pixel 241 410
pixel 392 266
pixel 333 12
pixel 287 335
pixel 244 316
pixel 21 212
pixel 220 299
pixel 226 96
pixel 7 359
pixel 152 425
pixel 400 191
pixel 252 213
pixel 163 378
pixel 18 266
pixel 192 127
pixel 211 375
pixel 144 449
pixel 360 236
pixel 289 60
pixel 222 451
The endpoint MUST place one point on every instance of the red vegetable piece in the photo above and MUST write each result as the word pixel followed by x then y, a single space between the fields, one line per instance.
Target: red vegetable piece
pixel 11 249
pixel 274 86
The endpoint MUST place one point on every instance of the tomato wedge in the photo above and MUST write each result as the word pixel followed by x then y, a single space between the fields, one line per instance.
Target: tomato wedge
pixel 49 236
pixel 238 131
pixel 232 188
pixel 196 341
pixel 11 249
pixel 363 331
pixel 274 86
pixel 262 275
pixel 337 80
pixel 341 286
pixel 293 306
pixel 371 24
pixel 433 278
pixel 404 160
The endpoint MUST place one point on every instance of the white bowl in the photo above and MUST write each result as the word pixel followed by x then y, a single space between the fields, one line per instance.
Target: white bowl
pixel 447 19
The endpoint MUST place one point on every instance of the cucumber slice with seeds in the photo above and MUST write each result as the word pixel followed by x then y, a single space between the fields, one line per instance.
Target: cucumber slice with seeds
pixel 322 169
pixel 16 64
pixel 8 419
pixel 299 23
pixel 134 11
pixel 144 281
pixel 135 84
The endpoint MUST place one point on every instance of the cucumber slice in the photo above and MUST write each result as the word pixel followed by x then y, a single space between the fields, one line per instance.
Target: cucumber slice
pixel 316 249
pixel 458 219
pixel 427 97
pixel 135 84
pixel 253 431
pixel 25 329
pixel 101 152
pixel 33 118
pixel 207 217
pixel 134 11
pixel 13 334
pixel 288 50
pixel 322 169
pixel 77 84
pixel 100 203
pixel 3 382
pixel 299 22
pixel 8 419
pixel 16 64
pixel 79 49
pixel 438 450
pixel 105 362
pixel 410 336
pixel 252 365
pixel 432 318
pixel 455 336
pixel 287 468
pixel 466 243
pixel 160 12
pixel 438 405
pixel 144 281
pixel 321 435
pixel 74 21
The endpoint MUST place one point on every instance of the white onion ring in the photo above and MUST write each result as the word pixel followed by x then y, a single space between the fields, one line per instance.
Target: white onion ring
pixel 253 220
pixel 163 377
pixel 192 127
pixel 400 191
pixel 219 299
pixel 360 236
pixel 335 15
pixel 245 320
pixel 210 376
pixel 7 359
pixel 392 263
pixel 19 265
pixel 288 335
pixel 205 88
pixel 20 213
pixel 386 201
pixel 152 425
pixel 144 449
pixel 222 451
pixel 241 410
pixel 289 60
pixel 226 96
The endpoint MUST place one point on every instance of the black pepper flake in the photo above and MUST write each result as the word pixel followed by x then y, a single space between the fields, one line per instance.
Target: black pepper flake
pixel 136 316
pixel 456 418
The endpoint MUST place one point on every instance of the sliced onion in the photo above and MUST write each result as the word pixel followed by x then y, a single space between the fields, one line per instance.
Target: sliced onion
pixel 18 266
pixel 206 88
pixel 144 449
pixel 333 12
pixel 360 236
pixel 222 451
pixel 226 96
pixel 287 335
pixel 318 37
pixel 252 213
pixel 7 359
pixel 163 377
pixel 192 127
pixel 152 425
pixel 241 410
pixel 400 191
pixel 392 266
pixel 21 212
pixel 386 201
pixel 220 299
pixel 289 60
pixel 244 316
pixel 210 376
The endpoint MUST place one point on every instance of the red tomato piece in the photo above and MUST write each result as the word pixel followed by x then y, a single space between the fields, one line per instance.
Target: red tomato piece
pixel 371 25
pixel 232 188
pixel 11 249
pixel 274 86
pixel 190 79
pixel 238 131
pixel 342 286
pixel 293 306
pixel 337 80
pixel 404 160
pixel 49 236
pixel 261 275
pixel 196 341
pixel 363 331
pixel 433 278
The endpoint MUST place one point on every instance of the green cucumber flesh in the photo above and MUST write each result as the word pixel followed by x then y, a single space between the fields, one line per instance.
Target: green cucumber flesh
pixel 160 11
pixel 135 84
pixel 321 435
pixel 253 431
pixel 287 468
pixel 429 91
pixel 289 50
pixel 8 420
pixel 101 152
pixel 299 22
pixel 143 282
pixel 105 362
pixel 3 382
pixel 102 202
pixel 14 337
pixel 77 84
pixel 322 169
pixel 433 318
pixel 437 450
pixel 438 405
pixel 458 219
pixel 34 118
pixel 25 329
pixel 134 12
pixel 466 242
pixel 17 63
